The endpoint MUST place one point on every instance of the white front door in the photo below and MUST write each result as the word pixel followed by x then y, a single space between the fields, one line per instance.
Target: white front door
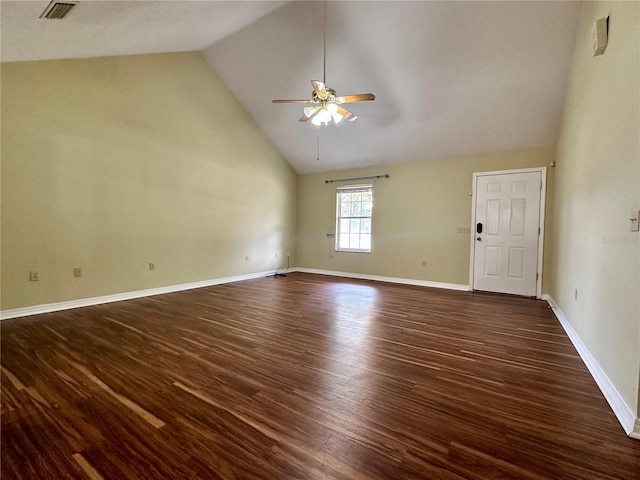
pixel 506 232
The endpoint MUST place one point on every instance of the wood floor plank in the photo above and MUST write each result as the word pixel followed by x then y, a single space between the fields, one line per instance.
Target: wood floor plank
pixel 86 467
pixel 307 377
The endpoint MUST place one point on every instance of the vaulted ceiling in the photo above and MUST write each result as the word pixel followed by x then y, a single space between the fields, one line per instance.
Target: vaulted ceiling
pixel 450 78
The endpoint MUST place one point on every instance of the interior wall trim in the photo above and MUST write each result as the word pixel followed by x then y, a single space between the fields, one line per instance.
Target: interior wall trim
pixel 382 278
pixel 623 412
pixel 636 430
pixel 118 297
pixel 630 423
pixel 86 302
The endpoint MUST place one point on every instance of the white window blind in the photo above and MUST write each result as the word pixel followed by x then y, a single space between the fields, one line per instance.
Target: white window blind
pixel 353 218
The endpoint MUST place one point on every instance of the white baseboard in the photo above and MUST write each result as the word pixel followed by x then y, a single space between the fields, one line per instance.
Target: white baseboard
pixel 630 423
pixel 381 278
pixel 623 412
pixel 636 430
pixel 86 302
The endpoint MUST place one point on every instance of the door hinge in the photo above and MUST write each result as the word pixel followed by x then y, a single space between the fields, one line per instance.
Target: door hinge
pixel 538 230
pixel 537 276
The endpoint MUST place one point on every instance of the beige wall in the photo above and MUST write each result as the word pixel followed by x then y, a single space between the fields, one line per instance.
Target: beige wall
pixel 416 215
pixel 111 163
pixel 597 186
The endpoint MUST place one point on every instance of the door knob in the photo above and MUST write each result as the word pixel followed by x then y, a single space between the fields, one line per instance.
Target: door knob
pixel 479 239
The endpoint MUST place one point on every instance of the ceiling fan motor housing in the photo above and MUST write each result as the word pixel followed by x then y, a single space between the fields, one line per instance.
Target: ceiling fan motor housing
pixel 330 97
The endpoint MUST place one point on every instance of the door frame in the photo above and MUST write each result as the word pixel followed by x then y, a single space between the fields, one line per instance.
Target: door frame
pixel 543 198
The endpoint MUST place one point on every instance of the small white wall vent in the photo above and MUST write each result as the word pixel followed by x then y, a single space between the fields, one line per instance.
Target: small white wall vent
pixel 57 10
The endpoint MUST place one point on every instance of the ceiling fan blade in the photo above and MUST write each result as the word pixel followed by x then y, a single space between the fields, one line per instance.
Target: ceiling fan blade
pixel 361 97
pixel 348 116
pixel 320 88
pixel 304 118
pixel 290 101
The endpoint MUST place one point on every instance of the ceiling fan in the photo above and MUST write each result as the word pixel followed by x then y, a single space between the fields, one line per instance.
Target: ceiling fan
pixel 325 105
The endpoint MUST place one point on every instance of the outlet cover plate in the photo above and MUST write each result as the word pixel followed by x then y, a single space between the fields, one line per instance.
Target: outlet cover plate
pixel 634 222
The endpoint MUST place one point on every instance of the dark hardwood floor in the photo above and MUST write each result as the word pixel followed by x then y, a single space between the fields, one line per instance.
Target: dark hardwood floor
pixel 306 377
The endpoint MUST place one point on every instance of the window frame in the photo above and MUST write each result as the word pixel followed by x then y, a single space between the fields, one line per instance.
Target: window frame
pixel 353 189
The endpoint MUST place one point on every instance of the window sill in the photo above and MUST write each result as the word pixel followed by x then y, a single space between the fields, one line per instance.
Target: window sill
pixel 344 250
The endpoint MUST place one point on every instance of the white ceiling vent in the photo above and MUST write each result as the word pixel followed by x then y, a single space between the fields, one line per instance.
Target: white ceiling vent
pixel 57 10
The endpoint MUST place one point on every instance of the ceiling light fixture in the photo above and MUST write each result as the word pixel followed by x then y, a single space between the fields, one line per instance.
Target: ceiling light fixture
pixel 323 114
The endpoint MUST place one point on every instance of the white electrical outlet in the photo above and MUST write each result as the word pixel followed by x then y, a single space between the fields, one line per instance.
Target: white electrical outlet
pixel 633 221
pixel 34 276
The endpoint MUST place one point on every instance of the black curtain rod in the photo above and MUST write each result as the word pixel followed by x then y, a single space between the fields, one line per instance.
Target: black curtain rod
pixel 386 175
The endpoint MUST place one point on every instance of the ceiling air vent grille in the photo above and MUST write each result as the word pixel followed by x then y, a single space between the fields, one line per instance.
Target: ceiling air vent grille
pixel 57 10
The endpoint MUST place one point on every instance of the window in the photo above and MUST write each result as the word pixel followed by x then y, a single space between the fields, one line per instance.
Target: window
pixel 353 218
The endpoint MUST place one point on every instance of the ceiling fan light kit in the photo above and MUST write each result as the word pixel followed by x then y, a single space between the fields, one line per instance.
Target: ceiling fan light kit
pixel 323 115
